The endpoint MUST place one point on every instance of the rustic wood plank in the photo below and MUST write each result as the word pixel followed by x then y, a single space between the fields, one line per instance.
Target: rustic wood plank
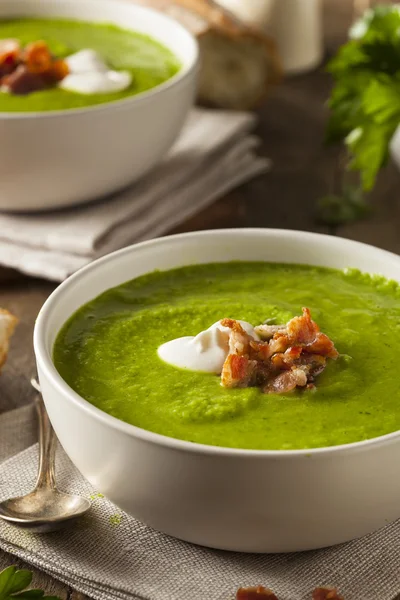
pixel 23 297
pixel 7 275
pixel 381 228
pixel 337 15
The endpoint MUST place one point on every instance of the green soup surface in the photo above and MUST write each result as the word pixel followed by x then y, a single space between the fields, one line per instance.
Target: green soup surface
pixel 107 352
pixel 149 62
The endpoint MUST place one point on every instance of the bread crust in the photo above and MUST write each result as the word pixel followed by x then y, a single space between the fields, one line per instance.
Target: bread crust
pixel 7 325
pixel 208 21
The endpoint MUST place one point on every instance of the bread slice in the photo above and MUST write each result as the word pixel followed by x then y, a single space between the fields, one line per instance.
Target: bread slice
pixel 7 325
pixel 239 64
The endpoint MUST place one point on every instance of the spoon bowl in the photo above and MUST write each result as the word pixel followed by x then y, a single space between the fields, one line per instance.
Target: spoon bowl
pixel 45 508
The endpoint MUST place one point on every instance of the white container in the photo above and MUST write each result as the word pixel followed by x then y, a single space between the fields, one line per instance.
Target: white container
pixel 395 148
pixel 244 500
pixel 254 12
pixel 296 26
pixel 59 158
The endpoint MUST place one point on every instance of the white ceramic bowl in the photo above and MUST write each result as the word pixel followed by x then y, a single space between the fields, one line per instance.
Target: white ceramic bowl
pixel 59 158
pixel 251 501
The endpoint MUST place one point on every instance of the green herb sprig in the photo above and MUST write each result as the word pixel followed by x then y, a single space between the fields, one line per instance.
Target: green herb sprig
pixel 338 209
pixel 14 583
pixel 365 102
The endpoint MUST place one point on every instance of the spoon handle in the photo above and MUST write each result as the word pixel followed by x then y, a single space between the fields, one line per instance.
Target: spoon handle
pixel 47 448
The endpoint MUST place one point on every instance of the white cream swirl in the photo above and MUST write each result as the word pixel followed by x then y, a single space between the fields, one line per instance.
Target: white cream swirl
pixel 89 74
pixel 206 352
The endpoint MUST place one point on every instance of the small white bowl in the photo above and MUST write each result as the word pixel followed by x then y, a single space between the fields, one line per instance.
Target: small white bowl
pixel 244 500
pixel 58 158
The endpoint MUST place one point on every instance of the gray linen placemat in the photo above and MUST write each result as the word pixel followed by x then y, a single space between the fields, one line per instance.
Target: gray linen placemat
pixel 109 555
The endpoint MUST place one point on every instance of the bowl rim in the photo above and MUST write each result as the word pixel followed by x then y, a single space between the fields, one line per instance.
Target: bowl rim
pixel 46 363
pixel 182 74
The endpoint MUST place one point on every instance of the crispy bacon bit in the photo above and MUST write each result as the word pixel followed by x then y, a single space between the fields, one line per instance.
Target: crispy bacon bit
pixel 21 81
pixel 58 70
pixel 7 325
pixel 239 340
pixel 323 345
pixel 286 360
pixel 313 365
pixel 279 343
pixel 302 330
pixel 286 382
pixel 267 332
pixel 292 357
pixel 262 593
pixel 260 350
pixel 255 593
pixel 326 594
pixel 29 70
pixel 305 332
pixel 37 57
pixel 238 371
pixel 9 46
pixel 9 56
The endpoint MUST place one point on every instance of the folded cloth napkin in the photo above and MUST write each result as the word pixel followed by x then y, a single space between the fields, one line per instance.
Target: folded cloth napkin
pixel 214 154
pixel 109 555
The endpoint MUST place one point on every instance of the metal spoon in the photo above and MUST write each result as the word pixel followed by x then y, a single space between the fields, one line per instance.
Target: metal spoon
pixel 46 508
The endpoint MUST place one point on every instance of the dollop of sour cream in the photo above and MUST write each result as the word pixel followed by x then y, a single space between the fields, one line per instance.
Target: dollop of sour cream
pixel 89 74
pixel 205 352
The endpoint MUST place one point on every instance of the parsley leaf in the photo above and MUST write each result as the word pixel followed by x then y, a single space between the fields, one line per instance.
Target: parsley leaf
pixel 346 207
pixel 13 584
pixel 369 143
pixel 365 102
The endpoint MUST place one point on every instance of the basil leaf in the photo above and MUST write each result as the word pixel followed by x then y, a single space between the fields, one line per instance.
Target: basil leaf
pixel 21 580
pixel 13 584
pixel 6 579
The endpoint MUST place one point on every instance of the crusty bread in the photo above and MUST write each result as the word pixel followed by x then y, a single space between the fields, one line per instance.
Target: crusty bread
pixel 238 64
pixel 7 326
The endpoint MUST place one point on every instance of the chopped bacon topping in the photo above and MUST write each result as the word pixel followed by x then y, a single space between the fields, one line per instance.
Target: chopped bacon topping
pixel 262 593
pixel 266 332
pixel 238 371
pixel 23 71
pixel 239 340
pixel 58 70
pixel 288 356
pixel 21 81
pixel 37 57
pixel 302 330
pixel 255 593
pixel 9 55
pixel 326 594
pixel 286 382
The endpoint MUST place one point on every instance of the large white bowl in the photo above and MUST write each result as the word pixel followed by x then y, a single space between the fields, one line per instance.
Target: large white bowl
pixel 251 501
pixel 59 158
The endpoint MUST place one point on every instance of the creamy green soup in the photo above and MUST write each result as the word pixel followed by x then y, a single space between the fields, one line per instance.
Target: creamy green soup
pixel 149 62
pixel 107 352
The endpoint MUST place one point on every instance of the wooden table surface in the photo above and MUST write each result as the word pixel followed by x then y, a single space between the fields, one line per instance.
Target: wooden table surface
pixel 291 127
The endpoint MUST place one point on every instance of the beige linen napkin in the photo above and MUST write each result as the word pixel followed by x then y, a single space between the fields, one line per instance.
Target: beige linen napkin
pixel 215 153
pixel 111 556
